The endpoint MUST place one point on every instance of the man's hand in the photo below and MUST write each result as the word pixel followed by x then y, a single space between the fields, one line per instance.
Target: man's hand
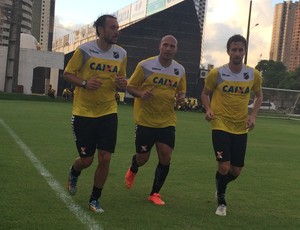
pixel 146 95
pixel 209 115
pixel 121 82
pixel 180 98
pixel 250 122
pixel 93 83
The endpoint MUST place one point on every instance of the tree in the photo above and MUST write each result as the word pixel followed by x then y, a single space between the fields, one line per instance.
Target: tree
pixel 287 82
pixel 296 78
pixel 272 72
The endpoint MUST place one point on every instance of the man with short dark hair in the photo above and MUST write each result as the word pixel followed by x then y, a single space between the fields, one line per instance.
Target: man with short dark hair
pixel 96 68
pixel 230 86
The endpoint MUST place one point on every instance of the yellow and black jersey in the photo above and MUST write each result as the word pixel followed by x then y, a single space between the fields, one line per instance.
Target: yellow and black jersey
pixel 231 94
pixel 88 61
pixel 165 82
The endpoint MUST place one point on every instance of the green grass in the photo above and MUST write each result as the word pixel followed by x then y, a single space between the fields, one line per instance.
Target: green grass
pixel 266 196
pixel 30 97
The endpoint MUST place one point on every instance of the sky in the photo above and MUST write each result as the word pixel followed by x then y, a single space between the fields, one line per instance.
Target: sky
pixel 223 19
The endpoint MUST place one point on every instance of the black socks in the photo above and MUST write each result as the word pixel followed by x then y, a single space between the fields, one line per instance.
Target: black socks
pixel 74 172
pixel 161 174
pixel 96 193
pixel 134 166
pixel 221 184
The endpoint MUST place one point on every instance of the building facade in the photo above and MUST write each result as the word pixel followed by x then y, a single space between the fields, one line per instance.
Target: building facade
pixel 5 18
pixel 43 23
pixel 36 18
pixel 285 43
pixel 28 69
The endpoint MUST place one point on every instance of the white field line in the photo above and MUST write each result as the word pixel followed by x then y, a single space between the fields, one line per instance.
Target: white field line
pixel 81 215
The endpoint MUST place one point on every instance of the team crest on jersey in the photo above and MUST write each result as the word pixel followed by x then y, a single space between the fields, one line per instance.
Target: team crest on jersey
pixel 176 71
pixel 246 76
pixel 116 55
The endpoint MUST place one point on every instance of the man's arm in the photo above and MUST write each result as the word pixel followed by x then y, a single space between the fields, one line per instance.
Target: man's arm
pixel 206 103
pixel 256 105
pixel 134 91
pixel 71 78
pixel 91 84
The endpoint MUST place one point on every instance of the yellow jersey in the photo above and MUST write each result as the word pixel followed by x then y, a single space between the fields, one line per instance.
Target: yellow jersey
pixel 88 61
pixel 231 94
pixel 158 111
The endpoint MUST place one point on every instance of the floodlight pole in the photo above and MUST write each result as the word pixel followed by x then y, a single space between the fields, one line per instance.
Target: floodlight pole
pixel 248 33
pixel 13 49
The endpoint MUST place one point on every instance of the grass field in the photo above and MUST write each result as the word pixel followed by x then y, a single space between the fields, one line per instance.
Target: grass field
pixel 37 150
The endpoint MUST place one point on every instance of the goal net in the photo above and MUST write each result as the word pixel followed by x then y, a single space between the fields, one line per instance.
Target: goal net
pixel 284 103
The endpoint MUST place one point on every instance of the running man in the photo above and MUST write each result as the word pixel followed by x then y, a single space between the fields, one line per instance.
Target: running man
pixel 230 86
pixel 156 83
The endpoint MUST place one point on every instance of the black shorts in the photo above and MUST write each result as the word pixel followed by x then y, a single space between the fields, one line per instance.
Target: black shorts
pixel 145 137
pixel 95 133
pixel 229 147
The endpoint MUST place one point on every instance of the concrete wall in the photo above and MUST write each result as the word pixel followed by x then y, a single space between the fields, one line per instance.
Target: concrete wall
pixel 30 59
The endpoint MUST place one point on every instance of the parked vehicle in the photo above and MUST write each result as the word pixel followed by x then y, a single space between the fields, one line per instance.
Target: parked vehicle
pixel 265 105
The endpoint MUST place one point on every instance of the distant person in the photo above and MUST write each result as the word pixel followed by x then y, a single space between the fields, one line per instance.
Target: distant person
pixel 67 94
pixel 51 92
pixel 230 86
pixel 154 84
pixel 96 69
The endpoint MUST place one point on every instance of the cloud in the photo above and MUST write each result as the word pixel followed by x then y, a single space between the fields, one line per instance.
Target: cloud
pixel 63 27
pixel 226 18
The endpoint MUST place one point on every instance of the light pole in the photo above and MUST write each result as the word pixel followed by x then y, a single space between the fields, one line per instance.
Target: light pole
pixel 13 50
pixel 246 55
pixel 248 33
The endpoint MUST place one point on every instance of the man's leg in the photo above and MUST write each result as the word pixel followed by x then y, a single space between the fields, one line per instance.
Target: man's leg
pixel 100 178
pixel 161 172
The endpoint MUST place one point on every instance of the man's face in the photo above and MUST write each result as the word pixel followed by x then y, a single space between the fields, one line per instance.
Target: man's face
pixel 236 52
pixel 168 48
pixel 110 32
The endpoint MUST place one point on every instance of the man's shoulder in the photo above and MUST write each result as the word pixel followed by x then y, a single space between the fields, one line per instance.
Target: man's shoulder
pixel 119 48
pixel 88 45
pixel 150 59
pixel 216 70
pixel 176 64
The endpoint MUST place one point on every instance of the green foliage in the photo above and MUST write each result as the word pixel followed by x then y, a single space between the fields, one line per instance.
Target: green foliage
pixel 275 75
pixel 296 78
pixel 264 197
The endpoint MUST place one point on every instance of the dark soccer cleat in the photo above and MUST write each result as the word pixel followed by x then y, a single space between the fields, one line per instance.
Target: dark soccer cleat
pixel 94 206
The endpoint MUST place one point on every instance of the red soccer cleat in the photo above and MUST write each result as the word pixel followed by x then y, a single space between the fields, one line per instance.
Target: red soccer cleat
pixel 129 179
pixel 155 198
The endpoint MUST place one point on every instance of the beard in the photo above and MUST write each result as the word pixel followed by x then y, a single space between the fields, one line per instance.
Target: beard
pixel 236 61
pixel 110 41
